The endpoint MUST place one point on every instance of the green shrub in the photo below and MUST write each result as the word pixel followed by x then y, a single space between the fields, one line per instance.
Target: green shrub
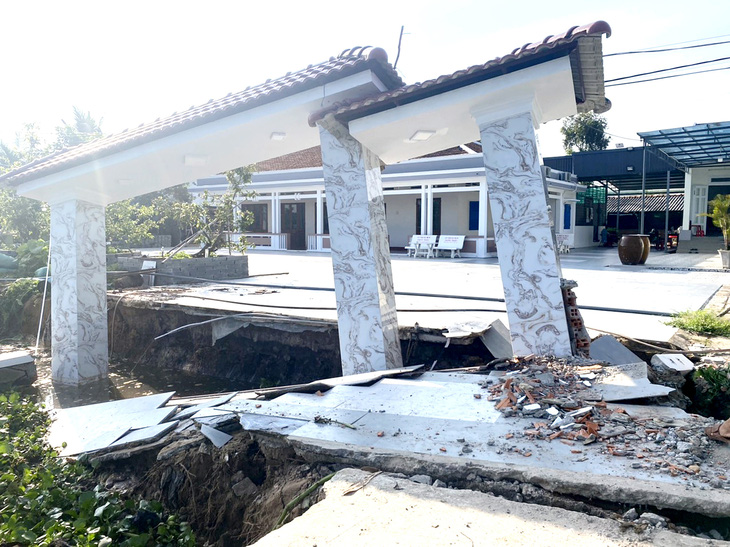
pixel 32 255
pixel 712 387
pixel 12 301
pixel 180 255
pixel 701 322
pixel 46 498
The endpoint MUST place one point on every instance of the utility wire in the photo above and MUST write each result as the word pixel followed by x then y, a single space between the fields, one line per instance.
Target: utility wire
pixel 667 69
pixel 666 49
pixel 688 41
pixel 670 76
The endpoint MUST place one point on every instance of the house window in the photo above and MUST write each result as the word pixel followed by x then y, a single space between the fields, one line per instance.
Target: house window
pixel 260 213
pixel 566 216
pixel 474 215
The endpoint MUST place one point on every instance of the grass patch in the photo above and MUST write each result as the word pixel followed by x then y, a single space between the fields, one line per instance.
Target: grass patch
pixel 701 322
pixel 46 498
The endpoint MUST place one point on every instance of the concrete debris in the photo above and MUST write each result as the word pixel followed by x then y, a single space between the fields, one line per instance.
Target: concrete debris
pixel 662 439
pixel 625 382
pixel 497 340
pixel 422 479
pixel 17 368
pixel 654 519
pixel 674 361
pixel 609 350
pixel 245 488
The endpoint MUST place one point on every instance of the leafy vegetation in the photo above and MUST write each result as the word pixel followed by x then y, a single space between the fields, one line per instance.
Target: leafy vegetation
pixel 45 498
pixel 701 322
pixel 584 132
pixel 720 216
pixel 12 301
pixel 216 216
pixel 712 385
pixel 32 255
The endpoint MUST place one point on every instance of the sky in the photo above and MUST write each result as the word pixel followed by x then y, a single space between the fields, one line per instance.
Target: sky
pixel 132 62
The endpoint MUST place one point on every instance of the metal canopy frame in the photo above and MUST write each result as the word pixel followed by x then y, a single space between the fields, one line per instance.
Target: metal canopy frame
pixel 699 145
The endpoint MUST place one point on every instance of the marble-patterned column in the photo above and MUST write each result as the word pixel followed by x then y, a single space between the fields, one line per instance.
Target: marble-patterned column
pixel 527 257
pixel 78 293
pixel 366 316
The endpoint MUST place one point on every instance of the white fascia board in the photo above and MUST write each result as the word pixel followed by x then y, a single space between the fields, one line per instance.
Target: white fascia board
pixel 227 143
pixel 449 114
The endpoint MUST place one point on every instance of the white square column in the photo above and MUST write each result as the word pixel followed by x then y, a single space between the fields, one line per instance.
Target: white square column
pixel 527 258
pixel 78 293
pixel 366 316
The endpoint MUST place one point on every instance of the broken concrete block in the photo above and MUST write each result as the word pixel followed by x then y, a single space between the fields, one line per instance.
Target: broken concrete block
pixel 245 488
pixel 625 382
pixel 17 368
pixel 497 340
pixel 422 479
pixel 609 350
pixel 674 361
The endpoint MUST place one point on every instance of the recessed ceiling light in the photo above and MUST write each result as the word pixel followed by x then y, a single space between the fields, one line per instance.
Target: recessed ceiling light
pixel 422 135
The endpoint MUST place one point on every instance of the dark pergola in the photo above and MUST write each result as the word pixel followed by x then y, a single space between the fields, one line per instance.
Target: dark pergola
pixel 700 145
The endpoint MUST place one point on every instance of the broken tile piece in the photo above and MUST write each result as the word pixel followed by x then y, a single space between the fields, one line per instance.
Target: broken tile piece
pixel 218 438
pixel 144 435
pixel 609 350
pixel 188 412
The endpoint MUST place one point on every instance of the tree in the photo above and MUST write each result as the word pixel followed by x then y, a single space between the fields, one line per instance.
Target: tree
pixel 584 132
pixel 214 218
pixel 130 224
pixel 84 129
pixel 22 219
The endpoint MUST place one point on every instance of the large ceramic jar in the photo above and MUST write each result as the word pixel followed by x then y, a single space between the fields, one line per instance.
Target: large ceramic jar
pixel 647 248
pixel 631 249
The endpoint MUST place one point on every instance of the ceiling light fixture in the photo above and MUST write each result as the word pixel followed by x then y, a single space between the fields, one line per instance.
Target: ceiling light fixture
pixel 422 135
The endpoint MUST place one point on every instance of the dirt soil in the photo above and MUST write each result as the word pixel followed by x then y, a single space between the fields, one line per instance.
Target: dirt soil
pixel 230 496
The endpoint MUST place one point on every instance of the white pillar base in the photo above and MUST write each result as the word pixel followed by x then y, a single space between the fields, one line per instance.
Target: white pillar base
pixel 368 325
pixel 78 293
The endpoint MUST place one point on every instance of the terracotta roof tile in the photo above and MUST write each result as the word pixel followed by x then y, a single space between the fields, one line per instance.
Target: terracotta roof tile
pixel 347 111
pixel 348 62
pixel 652 203
pixel 309 157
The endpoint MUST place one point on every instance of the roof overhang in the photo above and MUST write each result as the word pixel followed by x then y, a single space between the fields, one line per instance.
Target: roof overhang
pixel 546 90
pixel 264 132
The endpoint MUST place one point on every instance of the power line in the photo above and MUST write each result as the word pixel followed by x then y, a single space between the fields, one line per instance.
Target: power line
pixel 670 76
pixel 689 41
pixel 665 49
pixel 667 69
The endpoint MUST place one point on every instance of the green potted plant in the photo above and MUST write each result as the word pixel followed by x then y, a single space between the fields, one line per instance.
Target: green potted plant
pixel 720 216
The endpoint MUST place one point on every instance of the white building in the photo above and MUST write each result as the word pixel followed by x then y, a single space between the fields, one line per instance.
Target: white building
pixel 290 208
